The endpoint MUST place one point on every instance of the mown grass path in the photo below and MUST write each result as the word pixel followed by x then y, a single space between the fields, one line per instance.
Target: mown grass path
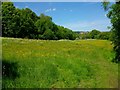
pixel 54 64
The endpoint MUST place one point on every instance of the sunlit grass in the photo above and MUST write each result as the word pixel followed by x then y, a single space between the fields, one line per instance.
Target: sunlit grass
pixel 64 64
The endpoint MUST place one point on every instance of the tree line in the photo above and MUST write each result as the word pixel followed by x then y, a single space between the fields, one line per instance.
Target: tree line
pixel 24 23
pixel 95 34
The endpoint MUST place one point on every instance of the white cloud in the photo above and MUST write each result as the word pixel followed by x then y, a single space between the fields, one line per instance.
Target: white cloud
pixel 26 6
pixel 105 15
pixel 88 25
pixel 50 9
pixel 54 9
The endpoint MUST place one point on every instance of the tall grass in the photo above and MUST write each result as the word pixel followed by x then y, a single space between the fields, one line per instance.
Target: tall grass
pixel 58 64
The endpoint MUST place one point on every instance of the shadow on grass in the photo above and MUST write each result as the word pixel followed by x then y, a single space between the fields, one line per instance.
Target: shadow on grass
pixel 9 70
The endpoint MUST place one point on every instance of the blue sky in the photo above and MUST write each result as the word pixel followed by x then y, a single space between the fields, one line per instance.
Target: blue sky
pixel 78 16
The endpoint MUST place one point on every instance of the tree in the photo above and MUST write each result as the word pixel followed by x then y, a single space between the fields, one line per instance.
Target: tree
pixel 94 33
pixel 60 34
pixel 26 24
pixel 70 35
pixel 31 14
pixel 114 15
pixel 17 22
pixel 104 35
pixel 65 33
pixel 49 35
pixel 8 13
pixel 44 23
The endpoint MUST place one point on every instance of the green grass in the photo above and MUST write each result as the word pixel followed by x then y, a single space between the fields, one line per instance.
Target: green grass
pixel 58 64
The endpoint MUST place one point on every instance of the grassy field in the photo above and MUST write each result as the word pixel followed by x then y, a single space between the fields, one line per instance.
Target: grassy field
pixel 58 64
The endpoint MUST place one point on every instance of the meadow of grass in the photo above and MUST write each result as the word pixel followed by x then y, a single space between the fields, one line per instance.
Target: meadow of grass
pixel 58 64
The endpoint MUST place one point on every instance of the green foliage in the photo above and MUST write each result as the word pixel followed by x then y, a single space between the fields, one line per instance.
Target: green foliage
pixel 94 34
pixel 65 33
pixel 27 24
pixel 24 23
pixel 48 35
pixel 104 35
pixel 8 14
pixel 44 23
pixel 60 33
pixel 69 34
pixel 106 4
pixel 16 22
pixel 114 15
pixel 31 14
pixel 85 35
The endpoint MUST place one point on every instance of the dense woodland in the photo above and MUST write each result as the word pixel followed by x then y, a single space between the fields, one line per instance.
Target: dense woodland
pixel 24 23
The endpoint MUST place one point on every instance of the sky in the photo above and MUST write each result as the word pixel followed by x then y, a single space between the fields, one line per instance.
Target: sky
pixel 77 16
